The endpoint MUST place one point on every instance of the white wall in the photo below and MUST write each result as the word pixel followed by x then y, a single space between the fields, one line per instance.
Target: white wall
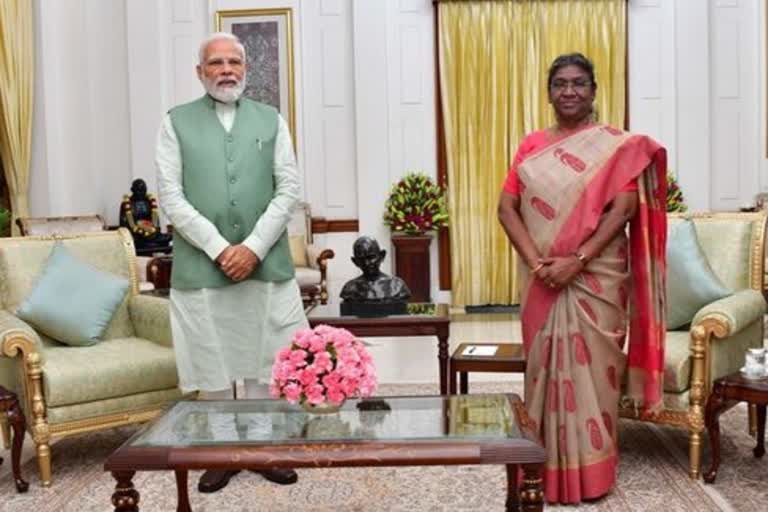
pixel 81 143
pixel 763 74
pixel 695 84
pixel 107 71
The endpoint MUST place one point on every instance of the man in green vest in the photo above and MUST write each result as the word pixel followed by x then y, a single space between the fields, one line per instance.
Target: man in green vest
pixel 228 181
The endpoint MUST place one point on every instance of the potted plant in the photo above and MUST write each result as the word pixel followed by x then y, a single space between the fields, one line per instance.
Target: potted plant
pixel 416 206
pixel 675 200
pixel 5 222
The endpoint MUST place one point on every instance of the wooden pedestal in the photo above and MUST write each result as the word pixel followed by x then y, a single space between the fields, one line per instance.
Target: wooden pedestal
pixel 412 264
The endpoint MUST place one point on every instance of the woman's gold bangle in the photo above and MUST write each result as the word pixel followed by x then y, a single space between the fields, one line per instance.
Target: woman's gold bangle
pixel 537 268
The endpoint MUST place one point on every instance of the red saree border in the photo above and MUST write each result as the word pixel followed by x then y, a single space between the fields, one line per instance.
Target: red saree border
pixel 573 485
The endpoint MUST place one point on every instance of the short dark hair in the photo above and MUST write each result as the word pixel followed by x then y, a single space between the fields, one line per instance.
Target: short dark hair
pixel 572 59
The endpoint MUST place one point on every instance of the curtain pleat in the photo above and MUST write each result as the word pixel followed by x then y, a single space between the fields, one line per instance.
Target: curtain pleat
pixel 17 64
pixel 494 57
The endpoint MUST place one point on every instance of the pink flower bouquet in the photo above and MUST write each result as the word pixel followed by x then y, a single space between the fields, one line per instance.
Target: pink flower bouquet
pixel 322 366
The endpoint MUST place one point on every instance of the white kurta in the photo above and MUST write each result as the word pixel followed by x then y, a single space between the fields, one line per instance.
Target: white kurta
pixel 233 332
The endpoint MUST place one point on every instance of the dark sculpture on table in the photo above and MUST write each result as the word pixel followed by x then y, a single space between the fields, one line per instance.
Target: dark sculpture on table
pixel 373 293
pixel 139 213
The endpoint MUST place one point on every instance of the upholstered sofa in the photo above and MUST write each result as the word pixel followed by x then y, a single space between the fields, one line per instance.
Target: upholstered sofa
pixel 311 261
pixel 126 378
pixel 715 343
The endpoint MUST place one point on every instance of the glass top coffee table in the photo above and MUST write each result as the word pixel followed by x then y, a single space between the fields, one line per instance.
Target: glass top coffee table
pixel 382 431
pixel 422 320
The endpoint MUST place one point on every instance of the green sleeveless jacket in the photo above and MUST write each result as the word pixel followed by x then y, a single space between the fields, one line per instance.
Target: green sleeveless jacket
pixel 228 178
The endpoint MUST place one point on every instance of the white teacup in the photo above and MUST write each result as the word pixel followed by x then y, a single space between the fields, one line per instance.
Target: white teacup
pixel 754 362
pixel 755 356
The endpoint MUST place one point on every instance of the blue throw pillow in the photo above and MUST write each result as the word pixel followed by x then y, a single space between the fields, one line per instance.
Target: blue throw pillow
pixel 691 283
pixel 72 301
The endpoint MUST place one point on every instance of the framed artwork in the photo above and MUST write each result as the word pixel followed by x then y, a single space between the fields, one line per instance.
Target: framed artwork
pixel 267 35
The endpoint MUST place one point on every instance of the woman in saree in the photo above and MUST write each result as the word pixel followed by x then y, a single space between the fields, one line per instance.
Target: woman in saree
pixel 569 195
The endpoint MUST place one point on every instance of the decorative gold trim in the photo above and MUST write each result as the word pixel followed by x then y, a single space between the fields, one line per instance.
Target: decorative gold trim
pixel 220 16
pixel 130 251
pixel 71 428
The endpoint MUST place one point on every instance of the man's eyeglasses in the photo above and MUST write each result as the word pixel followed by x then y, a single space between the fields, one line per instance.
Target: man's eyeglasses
pixel 576 85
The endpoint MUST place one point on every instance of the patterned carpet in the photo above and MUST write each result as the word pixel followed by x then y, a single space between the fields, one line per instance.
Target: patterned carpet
pixel 652 477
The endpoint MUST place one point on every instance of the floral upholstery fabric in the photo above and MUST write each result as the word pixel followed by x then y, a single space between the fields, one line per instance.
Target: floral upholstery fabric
pixel 739 310
pixel 116 367
pixel 151 318
pixel 306 276
pixel 58 415
pixel 677 361
pixel 726 243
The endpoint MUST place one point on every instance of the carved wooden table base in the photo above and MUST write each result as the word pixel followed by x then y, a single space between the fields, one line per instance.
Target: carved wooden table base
pixel 126 497
pixel 9 405
pixel 725 391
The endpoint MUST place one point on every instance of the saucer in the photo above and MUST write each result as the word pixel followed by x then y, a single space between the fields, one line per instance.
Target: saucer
pixel 748 376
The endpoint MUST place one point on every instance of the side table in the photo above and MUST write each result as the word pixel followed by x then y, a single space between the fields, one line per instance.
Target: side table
pixel 726 390
pixel 9 405
pixel 509 358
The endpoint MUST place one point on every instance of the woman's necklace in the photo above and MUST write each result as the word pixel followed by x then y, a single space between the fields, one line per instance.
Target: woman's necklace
pixel 559 132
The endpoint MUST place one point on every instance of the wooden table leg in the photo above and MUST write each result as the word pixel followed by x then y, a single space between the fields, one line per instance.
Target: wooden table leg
pixel 443 359
pixel 513 488
pixel 125 498
pixel 715 406
pixel 183 492
pixel 759 450
pixel 463 383
pixel 16 419
pixel 532 493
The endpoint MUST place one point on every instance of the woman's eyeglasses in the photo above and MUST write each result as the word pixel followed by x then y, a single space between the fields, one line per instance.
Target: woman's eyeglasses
pixel 576 85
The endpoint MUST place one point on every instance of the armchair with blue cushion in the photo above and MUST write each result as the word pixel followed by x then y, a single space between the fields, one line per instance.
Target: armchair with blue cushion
pixel 126 377
pixel 713 344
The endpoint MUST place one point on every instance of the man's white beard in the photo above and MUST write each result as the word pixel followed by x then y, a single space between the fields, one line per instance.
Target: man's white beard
pixel 224 94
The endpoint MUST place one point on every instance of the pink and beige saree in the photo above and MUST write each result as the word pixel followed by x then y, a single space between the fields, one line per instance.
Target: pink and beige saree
pixel 574 337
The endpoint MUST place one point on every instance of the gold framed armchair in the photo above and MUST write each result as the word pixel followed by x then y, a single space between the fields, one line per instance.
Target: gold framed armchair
pixel 128 377
pixel 720 332
pixel 311 261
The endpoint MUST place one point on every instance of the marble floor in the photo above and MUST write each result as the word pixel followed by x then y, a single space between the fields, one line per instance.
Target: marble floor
pixel 404 360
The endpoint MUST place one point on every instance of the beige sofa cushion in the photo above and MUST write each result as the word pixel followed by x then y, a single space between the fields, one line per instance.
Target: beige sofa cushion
pixel 298 250
pixel 110 369
pixel 306 276
pixel 677 361
pixel 726 244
